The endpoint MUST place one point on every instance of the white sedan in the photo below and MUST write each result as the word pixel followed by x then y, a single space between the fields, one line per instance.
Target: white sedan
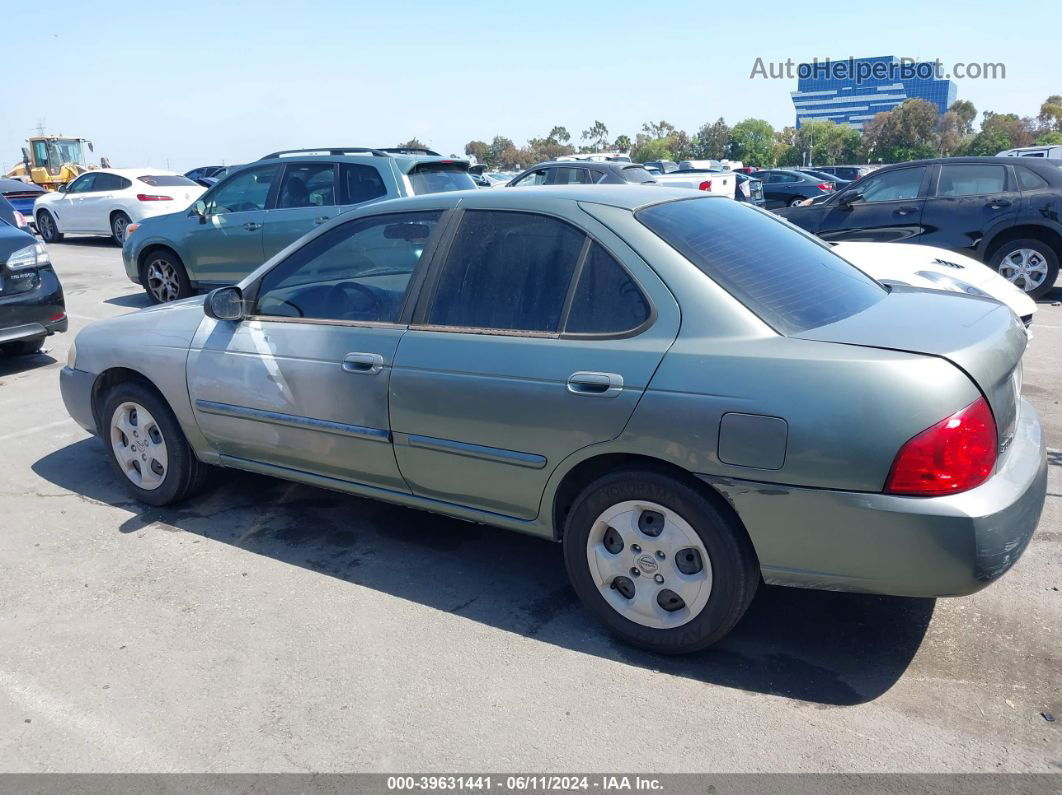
pixel 106 201
pixel 938 269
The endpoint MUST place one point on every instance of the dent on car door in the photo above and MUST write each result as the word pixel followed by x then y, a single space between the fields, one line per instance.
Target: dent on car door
pixel 968 203
pixel 888 208
pixel 306 198
pixel 226 244
pixel 302 382
pixel 535 343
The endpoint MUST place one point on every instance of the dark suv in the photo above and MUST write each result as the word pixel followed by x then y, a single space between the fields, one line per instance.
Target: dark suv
pixel 1000 210
pixel 254 212
pixel 31 298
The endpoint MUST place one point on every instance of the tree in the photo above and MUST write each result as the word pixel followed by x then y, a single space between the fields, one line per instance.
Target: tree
pixel 710 142
pixel 502 153
pixel 752 142
pixel 950 133
pixel 622 143
pixel 548 148
pixel 1049 139
pixel 966 113
pixel 1051 113
pixel 1001 131
pixel 480 151
pixel 413 143
pixel 559 135
pixel 597 135
pixel 660 129
pixel 646 149
pixel 680 145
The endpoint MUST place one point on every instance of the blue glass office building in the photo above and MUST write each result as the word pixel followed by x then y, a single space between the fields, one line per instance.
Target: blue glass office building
pixel 853 90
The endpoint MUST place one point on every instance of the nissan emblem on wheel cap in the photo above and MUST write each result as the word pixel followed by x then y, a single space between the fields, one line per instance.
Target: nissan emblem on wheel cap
pixel 647 563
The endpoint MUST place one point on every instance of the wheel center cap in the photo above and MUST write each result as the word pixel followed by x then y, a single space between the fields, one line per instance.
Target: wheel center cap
pixel 647 563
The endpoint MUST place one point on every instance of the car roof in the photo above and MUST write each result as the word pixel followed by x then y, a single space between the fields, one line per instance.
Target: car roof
pixel 133 173
pixel 1000 161
pixel 628 197
pixel 612 165
pixel 405 163
pixel 12 185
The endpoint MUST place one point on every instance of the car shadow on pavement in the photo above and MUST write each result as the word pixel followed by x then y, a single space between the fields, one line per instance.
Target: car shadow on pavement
pixel 816 646
pixel 138 300
pixel 91 241
pixel 12 365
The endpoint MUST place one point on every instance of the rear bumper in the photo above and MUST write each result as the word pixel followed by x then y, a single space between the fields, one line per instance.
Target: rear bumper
pixel 37 312
pixel 76 388
pixel 905 546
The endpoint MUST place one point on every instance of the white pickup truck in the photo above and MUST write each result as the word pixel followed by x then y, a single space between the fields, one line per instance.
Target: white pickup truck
pixel 711 180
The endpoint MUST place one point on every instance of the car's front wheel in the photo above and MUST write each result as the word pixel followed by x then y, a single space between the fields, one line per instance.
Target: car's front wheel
pixel 1029 264
pixel 165 278
pixel 119 226
pixel 146 446
pixel 795 201
pixel 657 562
pixel 47 227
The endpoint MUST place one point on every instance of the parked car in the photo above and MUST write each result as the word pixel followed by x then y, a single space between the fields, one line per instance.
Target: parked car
pixel 582 172
pixel 260 208
pixel 838 182
pixel 1051 152
pixel 21 195
pixel 783 187
pixel 202 173
pixel 850 173
pixel 1002 211
pixel 935 268
pixel 687 392
pixel 719 182
pixel 31 298
pixel 748 189
pixel 663 166
pixel 106 201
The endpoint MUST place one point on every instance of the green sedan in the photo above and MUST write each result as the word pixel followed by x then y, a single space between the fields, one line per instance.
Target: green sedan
pixel 690 394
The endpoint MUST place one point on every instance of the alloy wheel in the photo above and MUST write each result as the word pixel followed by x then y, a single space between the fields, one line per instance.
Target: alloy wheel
pixel 139 446
pixel 47 226
pixel 121 223
pixel 162 281
pixel 649 564
pixel 1025 268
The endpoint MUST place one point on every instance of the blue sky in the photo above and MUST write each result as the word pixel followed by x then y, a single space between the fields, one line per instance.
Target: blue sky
pixel 193 83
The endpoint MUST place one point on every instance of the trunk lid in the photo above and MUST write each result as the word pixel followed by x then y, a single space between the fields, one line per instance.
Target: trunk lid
pixel 981 337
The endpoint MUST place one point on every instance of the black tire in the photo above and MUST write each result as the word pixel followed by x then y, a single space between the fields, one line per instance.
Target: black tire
pixel 46 226
pixel 119 223
pixel 23 347
pixel 794 201
pixel 184 473
pixel 735 570
pixel 1045 251
pixel 160 292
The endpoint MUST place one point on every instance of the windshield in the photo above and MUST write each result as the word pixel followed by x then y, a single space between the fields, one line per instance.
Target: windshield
pixel 787 278
pixel 440 177
pixel 166 180
pixel 637 174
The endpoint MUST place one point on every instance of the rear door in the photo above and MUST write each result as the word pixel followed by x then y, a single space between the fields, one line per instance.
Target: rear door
pixel 969 202
pixel 889 210
pixel 307 197
pixel 227 245
pixel 95 205
pixel 531 341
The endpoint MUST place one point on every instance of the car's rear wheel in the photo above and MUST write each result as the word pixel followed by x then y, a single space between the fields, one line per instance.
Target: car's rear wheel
pixel 165 278
pixel 23 347
pixel 657 562
pixel 47 227
pixel 1029 264
pixel 119 226
pixel 795 201
pixel 146 446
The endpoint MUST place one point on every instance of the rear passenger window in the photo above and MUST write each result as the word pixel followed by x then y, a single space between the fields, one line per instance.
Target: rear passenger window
pixel 360 183
pixel 507 271
pixel 1029 180
pixel 971 180
pixel 308 185
pixel 571 176
pixel 606 301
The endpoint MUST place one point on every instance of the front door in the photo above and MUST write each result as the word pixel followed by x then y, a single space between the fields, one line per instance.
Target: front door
pixel 535 343
pixel 889 208
pixel 970 201
pixel 302 383
pixel 70 208
pixel 226 244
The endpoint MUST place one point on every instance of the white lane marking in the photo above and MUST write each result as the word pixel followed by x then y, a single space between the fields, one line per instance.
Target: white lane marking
pixel 84 317
pixel 35 429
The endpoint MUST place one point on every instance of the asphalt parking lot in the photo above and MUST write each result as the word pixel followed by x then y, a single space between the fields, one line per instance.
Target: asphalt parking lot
pixel 271 626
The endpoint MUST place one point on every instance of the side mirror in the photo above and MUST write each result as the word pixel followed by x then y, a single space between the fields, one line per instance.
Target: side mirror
pixel 224 303
pixel 849 199
pixel 64 187
pixel 200 209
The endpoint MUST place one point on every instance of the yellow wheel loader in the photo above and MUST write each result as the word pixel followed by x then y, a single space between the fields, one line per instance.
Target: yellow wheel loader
pixel 53 160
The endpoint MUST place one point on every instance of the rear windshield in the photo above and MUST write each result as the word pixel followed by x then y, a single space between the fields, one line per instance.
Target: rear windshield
pixel 787 278
pixel 637 174
pixel 166 181
pixel 440 177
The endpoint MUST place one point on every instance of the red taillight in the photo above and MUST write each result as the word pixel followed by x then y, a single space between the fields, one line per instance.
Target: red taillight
pixel 20 220
pixel 956 454
pixel 57 316
pixel 826 186
pixel 151 197
pixel 706 185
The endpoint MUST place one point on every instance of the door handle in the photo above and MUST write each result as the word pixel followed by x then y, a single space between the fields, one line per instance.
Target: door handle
pixel 997 204
pixel 252 226
pixel 595 384
pixel 368 363
pixel 320 220
pixel 906 210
